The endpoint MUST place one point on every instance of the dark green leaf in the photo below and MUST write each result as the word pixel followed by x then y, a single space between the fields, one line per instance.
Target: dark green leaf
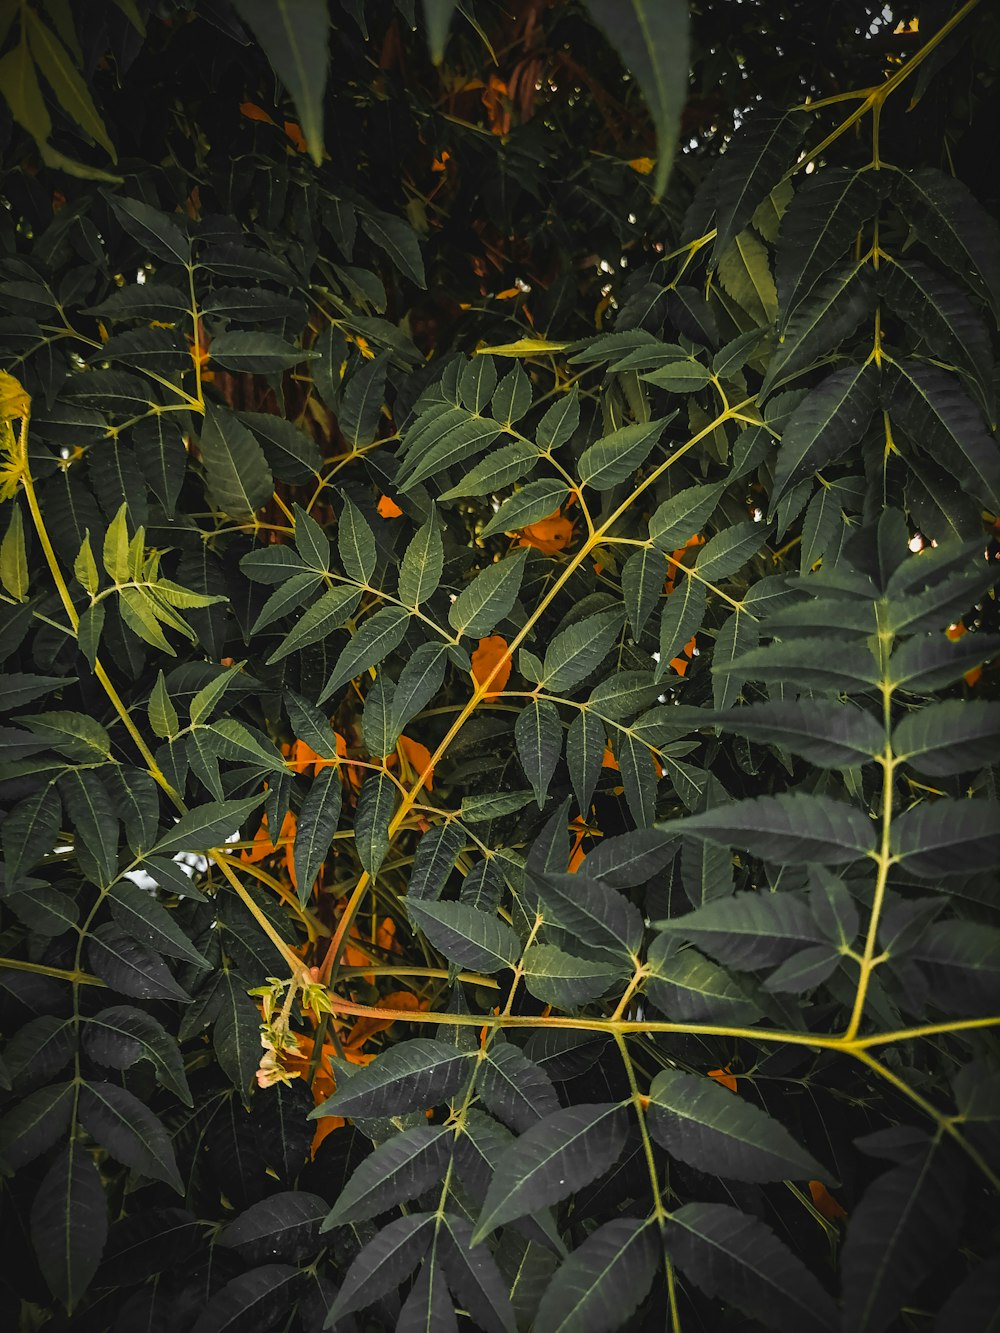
pixel 603 1281
pixel 701 1123
pixel 129 967
pixel 562 1153
pixel 295 38
pixel 69 1223
pixel 749 931
pixel 235 467
pixel 408 1077
pixel 945 837
pixel 539 737
pixel 727 1254
pixel 791 829
pixel 514 1089
pixel 251 1301
pixel 396 1172
pixel 615 457
pixel 827 734
pixel 467 936
pixel 317 823
pixel 129 1131
pixel 954 736
pixel 829 420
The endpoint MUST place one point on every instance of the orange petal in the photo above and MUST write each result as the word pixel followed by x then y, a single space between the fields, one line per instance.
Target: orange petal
pixel 388 508
pixel 609 760
pixel 489 654
pixel 254 112
pixel 294 133
pixel 419 758
pixel 825 1202
pixel 724 1077
pixel 549 535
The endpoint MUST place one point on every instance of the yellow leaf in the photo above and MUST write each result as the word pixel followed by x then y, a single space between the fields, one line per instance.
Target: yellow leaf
pixel 14 399
pixel 523 347
pixel 643 165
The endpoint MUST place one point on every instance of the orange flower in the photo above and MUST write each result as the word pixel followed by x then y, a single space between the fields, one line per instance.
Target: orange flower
pixel 491 653
pixel 419 757
pixel 549 535
pixel 263 846
pixel 680 664
pixel 724 1077
pixel 609 760
pixel 691 542
pixel 294 133
pixel 441 163
pixel 389 508
pixel 365 1028
pixel 302 757
pixel 825 1202
pixel 254 112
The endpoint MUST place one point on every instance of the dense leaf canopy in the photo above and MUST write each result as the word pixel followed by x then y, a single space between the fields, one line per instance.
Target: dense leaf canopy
pixel 498 639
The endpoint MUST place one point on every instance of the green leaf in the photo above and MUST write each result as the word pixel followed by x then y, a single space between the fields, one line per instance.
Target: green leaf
pixel 311 542
pixel 818 228
pixel 602 1282
pixel 630 858
pixel 479 809
pixel 466 936
pixel 294 34
pixel 440 439
pixel 535 501
pixel 823 322
pixel 701 1123
pixel 946 837
pixel 65 80
pixel 727 1254
pixel 639 777
pixel 960 961
pixel 500 469
pixel 361 403
pixel 376 803
pixel 933 661
pixel 327 614
pixel 157 232
pixel 942 315
pixel 729 550
pixel 94 822
pixel 76 735
pixel 399 241
pixel 252 1300
pixel 129 967
pixel 18 688
pixel 379 636
pixel 414 1075
pixel 210 825
pixel 615 457
pixel 955 227
pixel 489 598
pixel 754 163
pixel 291 454
pixel 236 1031
pixel 565 981
pixel 421 565
pixel 235 467
pixel 386 1261
pixel 129 1131
pixel 806 664
pixel 791 829
pixel 396 1172
pixel 585 743
pixel 438 15
pixel 906 1222
pixel 559 421
pixel 162 714
pixel 419 682
pixel 356 543
pixel 679 376
pixel 14 559
pixel 644 575
pixel 512 397
pixel 30 831
pixel 23 92
pixel 652 41
pixel 578 650
pixel 437 852
pixel 474 1277
pixel 256 353
pixel 513 1088
pixel 745 274
pixel 829 420
pixel 538 736
pixel 317 823
pixel 683 516
pixel 119 1036
pixel 69 1223
pixel 142 917
pixel 681 618
pixel 560 1154
pixel 37 1122
pixel 283 1226
pixel 750 930
pixel 939 419
pixel 830 735
pixel 590 911
pixel 954 736
pixel 688 988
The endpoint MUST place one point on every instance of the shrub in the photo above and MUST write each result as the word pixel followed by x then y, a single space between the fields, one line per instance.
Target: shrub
pixel 500 815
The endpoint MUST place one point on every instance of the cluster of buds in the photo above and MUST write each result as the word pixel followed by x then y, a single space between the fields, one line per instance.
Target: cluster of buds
pixel 276 1036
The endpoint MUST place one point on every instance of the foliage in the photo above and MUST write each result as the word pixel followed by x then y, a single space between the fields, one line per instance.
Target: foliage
pixel 500 815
